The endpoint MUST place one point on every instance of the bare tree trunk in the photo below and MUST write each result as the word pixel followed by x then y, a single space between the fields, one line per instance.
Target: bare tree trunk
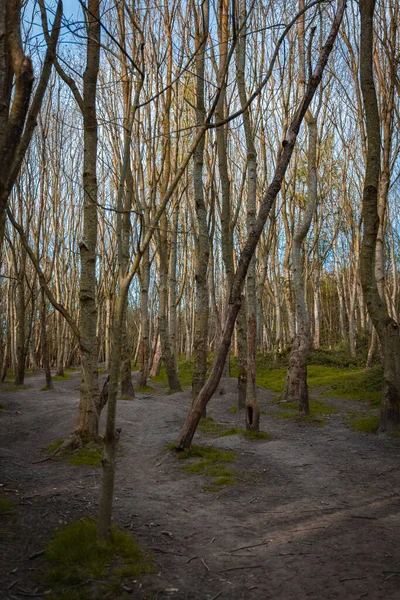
pixel 20 314
pixel 252 410
pixel 87 424
pixel 387 329
pixel 202 243
pixel 45 349
pixel 296 388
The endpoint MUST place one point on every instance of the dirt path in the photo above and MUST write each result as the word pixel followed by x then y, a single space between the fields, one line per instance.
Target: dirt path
pixel 314 516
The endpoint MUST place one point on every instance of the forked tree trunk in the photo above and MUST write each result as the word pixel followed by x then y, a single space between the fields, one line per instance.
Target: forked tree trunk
pixel 296 388
pixel 387 329
pixel 235 298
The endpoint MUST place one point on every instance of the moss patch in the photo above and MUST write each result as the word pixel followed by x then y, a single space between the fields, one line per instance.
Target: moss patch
pixel 210 427
pixel 318 411
pixel 90 455
pixel 212 463
pixel 7 506
pixel 75 557
pixel 64 377
pixel 233 410
pixel 145 388
pixel 17 388
pixel 365 424
pixel 54 446
pixel 249 434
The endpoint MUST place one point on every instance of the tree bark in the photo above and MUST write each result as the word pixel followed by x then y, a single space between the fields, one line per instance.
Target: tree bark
pixel 387 329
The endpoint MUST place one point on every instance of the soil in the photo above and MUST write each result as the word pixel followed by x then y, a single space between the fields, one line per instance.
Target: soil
pixel 314 516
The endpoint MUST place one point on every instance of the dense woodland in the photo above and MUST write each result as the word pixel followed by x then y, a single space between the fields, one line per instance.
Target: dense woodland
pixel 213 183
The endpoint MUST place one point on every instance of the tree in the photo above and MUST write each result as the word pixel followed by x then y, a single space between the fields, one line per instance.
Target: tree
pixel 387 328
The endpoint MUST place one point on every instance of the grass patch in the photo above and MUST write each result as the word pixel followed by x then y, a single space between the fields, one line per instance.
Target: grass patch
pixel 145 388
pixel 249 434
pixel 7 506
pixel 318 411
pixel 54 446
pixel 256 436
pixel 210 427
pixel 185 373
pixel 89 456
pixel 365 424
pixel 75 556
pixel 17 388
pixel 64 377
pixel 46 388
pixel 212 463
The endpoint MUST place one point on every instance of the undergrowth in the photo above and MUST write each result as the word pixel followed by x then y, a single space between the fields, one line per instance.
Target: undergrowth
pixel 89 455
pixel 210 462
pixel 7 506
pixel 209 427
pixel 75 559
pixel 17 388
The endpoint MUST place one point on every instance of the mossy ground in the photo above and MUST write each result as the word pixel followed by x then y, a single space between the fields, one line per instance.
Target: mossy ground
pixel 208 426
pixel 76 561
pixel 365 423
pixel 90 455
pixel 7 506
pixel 318 412
pixel 212 463
pixel 17 388
pixel 145 388
pixel 64 377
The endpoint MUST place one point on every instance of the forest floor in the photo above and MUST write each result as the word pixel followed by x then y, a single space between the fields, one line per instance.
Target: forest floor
pixel 314 514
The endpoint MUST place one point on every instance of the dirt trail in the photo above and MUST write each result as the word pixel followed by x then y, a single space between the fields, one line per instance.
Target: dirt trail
pixel 314 516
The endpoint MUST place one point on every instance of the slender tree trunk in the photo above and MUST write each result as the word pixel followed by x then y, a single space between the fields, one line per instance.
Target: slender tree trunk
pixel 296 388
pixel 45 349
pixel 87 424
pixel 252 410
pixel 202 243
pixel 387 329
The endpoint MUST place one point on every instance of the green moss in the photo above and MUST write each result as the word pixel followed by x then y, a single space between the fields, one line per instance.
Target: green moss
pixel 209 462
pixel 273 379
pixel 17 388
pixel 366 424
pixel 7 506
pixel 54 446
pixel 256 436
pixel 231 431
pixel 89 456
pixel 209 426
pixel 233 410
pixel 145 388
pixel 46 388
pixel 75 556
pixel 253 436
pixel 65 377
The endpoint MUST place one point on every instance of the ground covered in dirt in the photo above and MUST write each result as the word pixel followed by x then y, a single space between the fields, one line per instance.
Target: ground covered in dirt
pixel 314 512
